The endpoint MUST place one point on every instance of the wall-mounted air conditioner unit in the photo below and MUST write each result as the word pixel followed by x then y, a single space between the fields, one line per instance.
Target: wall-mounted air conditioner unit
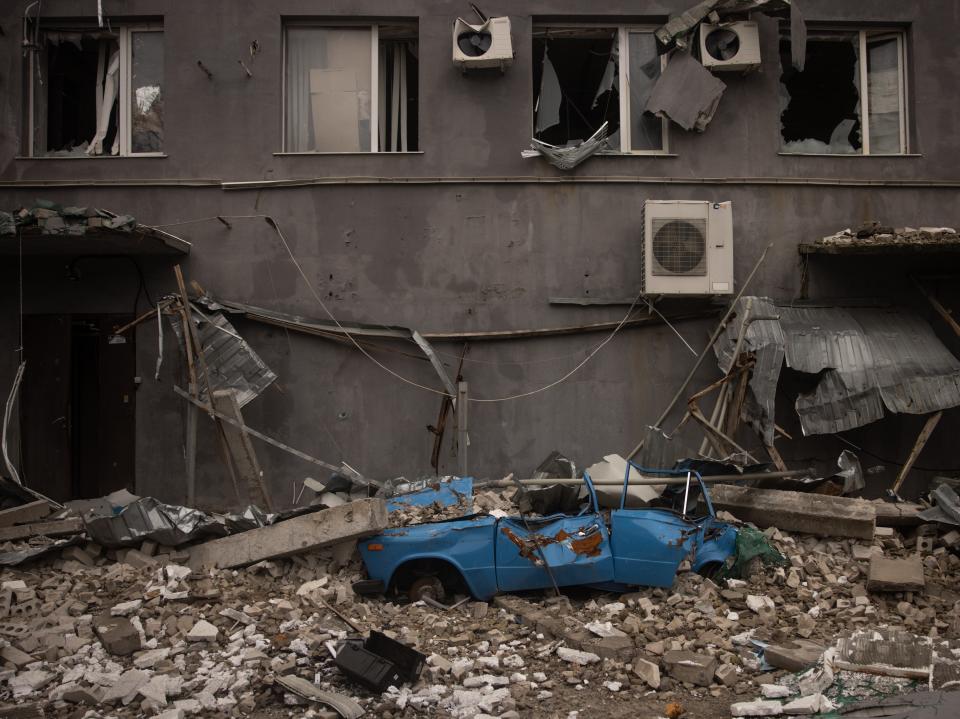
pixel 734 46
pixel 687 247
pixel 486 45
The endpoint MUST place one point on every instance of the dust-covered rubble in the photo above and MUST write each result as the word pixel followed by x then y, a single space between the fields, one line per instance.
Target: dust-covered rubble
pixel 111 639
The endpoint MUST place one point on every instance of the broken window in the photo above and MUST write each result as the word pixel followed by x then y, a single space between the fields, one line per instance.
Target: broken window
pixel 95 91
pixel 578 78
pixel 351 88
pixel 824 108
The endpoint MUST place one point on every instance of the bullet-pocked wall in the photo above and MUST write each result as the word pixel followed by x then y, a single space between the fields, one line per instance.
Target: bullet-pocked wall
pixel 465 235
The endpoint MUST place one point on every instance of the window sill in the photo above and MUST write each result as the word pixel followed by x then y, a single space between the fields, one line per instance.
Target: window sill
pixel 151 156
pixel 315 154
pixel 842 154
pixel 636 154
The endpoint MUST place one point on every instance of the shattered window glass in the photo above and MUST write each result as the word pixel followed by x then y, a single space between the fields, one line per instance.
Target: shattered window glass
pixel 576 87
pixel 824 110
pixel 821 104
pixel 80 83
pixel 146 97
pixel 646 130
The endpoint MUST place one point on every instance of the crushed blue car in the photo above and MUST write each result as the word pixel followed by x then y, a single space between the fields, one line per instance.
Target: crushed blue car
pixel 483 555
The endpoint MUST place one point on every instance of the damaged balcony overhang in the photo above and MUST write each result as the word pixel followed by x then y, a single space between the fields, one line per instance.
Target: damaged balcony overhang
pixel 49 229
pixel 139 242
pixel 869 360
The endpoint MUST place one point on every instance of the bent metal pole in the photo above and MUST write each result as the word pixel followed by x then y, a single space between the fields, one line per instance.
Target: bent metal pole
pixel 703 355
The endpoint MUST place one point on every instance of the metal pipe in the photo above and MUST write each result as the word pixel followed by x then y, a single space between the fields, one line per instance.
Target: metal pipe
pixel 649 481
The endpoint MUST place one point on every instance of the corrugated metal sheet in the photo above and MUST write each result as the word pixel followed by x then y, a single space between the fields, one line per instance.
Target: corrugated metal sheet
pixel 231 362
pixel 871 359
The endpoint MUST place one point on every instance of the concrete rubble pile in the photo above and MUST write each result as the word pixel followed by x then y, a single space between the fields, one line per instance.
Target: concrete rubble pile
pixel 874 233
pixel 146 632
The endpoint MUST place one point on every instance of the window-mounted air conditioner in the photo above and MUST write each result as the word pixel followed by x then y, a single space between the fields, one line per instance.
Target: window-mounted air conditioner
pixel 486 45
pixel 687 247
pixel 733 46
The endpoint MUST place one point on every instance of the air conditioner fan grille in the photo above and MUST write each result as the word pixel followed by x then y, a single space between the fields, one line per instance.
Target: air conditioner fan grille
pixel 679 247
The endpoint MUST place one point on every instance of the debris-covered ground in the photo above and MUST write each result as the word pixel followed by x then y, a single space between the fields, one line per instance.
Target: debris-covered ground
pixel 87 636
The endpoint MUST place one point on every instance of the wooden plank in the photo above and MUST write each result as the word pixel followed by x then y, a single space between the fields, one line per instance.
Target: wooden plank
pixel 240 448
pixel 922 438
pixel 941 310
pixel 775 456
pixel 25 513
pixel 72 525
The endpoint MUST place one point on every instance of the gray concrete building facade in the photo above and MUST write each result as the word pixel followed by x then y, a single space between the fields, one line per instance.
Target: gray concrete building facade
pixel 453 233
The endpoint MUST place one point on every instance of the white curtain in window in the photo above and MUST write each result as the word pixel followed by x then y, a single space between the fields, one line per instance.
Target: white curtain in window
pixel 328 84
pixel 393 100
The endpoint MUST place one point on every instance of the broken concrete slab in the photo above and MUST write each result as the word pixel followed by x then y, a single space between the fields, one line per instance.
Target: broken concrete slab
pixel 203 631
pixel 126 685
pixel 899 514
pixel 818 514
pixel 794 655
pixel 25 513
pixel 361 518
pixel 56 528
pixel 895 575
pixel 691 667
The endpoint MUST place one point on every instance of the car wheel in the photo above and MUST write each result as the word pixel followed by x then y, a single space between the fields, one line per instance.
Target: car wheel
pixel 427 587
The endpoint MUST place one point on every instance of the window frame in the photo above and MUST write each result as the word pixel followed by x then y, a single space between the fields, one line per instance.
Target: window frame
pixel 124 31
pixel 864 35
pixel 374 27
pixel 623 41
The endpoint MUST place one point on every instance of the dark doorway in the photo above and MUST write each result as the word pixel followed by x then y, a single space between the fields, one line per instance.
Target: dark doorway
pixel 78 405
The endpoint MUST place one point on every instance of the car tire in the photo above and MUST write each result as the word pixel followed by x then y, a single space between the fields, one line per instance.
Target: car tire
pixel 427 586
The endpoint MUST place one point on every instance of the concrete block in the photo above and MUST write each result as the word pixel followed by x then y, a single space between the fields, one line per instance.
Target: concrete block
pixel 575 656
pixel 137 559
pixel 795 655
pixel 895 575
pixel 307 532
pixel 797 511
pixel 756 708
pixel 727 675
pixel 14 656
pixel 117 635
pixel 648 671
pixel 691 667
pixel 77 554
pixel 812 704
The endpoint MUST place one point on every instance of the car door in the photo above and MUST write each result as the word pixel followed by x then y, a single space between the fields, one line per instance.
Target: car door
pixel 576 549
pixel 649 543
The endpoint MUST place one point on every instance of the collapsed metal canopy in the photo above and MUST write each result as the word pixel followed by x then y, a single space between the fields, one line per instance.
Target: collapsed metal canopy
pixel 871 359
